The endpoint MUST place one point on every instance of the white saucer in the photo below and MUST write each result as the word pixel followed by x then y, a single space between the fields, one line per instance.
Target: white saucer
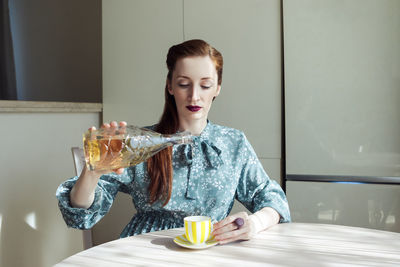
pixel 183 242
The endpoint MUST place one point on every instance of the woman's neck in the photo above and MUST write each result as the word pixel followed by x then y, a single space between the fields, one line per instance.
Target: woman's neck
pixel 194 127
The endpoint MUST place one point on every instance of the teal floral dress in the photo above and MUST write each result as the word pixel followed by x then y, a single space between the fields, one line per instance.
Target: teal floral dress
pixel 220 167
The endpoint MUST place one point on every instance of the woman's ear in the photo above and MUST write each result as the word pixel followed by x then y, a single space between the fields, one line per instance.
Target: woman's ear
pixel 169 87
pixel 218 90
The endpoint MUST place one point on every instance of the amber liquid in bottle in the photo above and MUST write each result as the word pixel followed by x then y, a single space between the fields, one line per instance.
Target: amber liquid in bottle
pixel 126 146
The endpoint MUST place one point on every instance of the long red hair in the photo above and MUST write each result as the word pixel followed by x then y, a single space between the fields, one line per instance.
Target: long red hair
pixel 159 167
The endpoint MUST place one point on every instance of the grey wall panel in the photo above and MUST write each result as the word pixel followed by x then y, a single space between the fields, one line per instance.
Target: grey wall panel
pixel 136 38
pixel 364 205
pixel 36 158
pixel 342 75
pixel 247 33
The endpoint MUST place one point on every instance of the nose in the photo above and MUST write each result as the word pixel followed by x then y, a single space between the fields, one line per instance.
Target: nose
pixel 195 93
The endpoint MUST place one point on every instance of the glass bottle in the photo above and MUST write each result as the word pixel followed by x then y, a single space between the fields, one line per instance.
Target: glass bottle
pixel 109 149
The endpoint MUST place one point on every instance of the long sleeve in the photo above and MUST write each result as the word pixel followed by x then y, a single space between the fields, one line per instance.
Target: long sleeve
pixel 255 189
pixel 107 188
pixel 208 175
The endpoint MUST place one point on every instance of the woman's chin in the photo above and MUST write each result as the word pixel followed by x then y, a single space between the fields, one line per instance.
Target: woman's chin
pixel 195 116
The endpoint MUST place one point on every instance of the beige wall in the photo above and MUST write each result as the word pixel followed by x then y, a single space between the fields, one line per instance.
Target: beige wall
pixel 35 158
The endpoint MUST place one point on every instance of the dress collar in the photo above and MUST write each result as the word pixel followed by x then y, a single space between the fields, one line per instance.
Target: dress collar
pixel 203 145
pixel 205 134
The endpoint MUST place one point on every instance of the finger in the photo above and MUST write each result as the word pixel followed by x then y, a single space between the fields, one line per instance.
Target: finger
pixel 90 134
pixel 113 128
pixel 232 234
pixel 224 222
pixel 232 239
pixel 122 127
pixel 106 130
pixel 105 125
pixel 224 229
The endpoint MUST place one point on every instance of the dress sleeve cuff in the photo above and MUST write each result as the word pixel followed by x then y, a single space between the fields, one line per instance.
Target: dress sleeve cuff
pixel 79 218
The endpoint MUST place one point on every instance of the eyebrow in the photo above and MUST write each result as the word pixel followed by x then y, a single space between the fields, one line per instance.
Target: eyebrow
pixel 185 77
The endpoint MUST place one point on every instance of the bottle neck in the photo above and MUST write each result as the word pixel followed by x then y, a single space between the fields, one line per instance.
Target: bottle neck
pixel 180 138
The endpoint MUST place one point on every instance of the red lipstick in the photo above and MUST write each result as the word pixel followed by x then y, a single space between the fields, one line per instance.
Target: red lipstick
pixel 193 108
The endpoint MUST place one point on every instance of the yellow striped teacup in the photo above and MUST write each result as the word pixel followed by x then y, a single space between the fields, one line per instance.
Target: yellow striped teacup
pixel 197 229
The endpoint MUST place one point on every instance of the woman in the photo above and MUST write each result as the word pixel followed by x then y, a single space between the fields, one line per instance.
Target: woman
pixel 199 179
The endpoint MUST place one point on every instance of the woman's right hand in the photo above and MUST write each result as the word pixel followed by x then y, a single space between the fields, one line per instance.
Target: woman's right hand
pixel 111 128
pixel 82 194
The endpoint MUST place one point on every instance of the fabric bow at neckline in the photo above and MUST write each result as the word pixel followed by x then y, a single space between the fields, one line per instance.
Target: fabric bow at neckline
pixel 200 155
pixel 211 153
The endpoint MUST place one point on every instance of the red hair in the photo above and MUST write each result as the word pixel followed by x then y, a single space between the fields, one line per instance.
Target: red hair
pixel 159 167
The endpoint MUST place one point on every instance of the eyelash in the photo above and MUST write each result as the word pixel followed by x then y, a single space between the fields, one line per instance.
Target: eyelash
pixel 187 85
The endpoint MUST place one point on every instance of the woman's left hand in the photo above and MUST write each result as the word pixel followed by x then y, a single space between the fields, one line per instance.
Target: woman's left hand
pixel 227 230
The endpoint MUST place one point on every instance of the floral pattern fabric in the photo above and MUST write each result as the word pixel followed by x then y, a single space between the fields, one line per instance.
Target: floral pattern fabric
pixel 219 167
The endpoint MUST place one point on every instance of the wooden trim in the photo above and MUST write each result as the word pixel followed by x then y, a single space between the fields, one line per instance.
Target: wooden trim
pixel 10 106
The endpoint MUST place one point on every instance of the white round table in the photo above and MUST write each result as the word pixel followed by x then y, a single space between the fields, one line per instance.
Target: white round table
pixel 291 244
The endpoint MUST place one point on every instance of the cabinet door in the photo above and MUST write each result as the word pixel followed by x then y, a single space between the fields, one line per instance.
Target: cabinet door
pixel 375 206
pixel 342 77
pixel 247 33
pixel 136 38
